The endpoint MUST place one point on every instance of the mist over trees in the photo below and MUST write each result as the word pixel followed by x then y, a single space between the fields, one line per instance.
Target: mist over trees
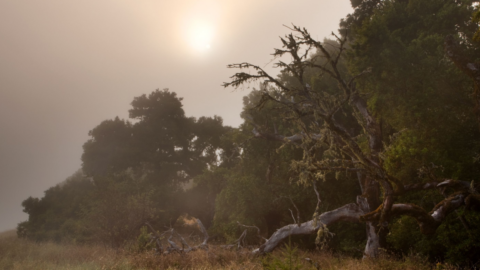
pixel 373 135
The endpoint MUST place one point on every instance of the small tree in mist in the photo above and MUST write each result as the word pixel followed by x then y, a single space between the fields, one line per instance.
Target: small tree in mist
pixel 58 215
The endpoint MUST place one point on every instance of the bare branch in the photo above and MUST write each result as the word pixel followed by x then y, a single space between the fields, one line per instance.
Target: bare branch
pixel 298 211
pixel 276 137
pixel 184 243
pixel 241 240
pixel 295 220
pixel 420 186
pixel 242 77
pixel 249 227
pixel 350 212
pixel 173 245
pixel 204 232
pixel 428 222
pixel 340 169
pixel 318 195
pixel 185 246
pixel 455 184
pixel 156 237
pixel 293 217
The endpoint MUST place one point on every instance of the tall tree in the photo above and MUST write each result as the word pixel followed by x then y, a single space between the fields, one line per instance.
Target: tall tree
pixel 318 125
pixel 162 137
pixel 134 172
pixel 163 144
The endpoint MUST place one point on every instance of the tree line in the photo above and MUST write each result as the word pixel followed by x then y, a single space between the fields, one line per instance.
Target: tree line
pixel 363 142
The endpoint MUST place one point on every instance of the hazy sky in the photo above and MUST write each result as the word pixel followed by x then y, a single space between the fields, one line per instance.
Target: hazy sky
pixel 67 65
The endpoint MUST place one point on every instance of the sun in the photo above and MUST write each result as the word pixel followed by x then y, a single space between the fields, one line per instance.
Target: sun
pixel 200 21
pixel 200 35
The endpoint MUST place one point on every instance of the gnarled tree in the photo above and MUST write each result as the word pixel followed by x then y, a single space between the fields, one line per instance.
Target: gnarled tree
pixel 321 129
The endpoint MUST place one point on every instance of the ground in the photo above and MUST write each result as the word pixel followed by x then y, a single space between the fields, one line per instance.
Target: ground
pixel 23 254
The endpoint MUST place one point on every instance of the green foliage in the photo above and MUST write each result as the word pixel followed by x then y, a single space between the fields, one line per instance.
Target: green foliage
pixel 136 173
pixel 108 150
pixel 143 240
pixel 476 19
pixel 200 199
pixel 288 259
pixel 58 215
pixel 323 234
pixel 453 241
pixel 164 163
pixel 424 103
pixel 412 86
pixel 162 138
pixel 120 207
pixel 258 190
pixel 242 200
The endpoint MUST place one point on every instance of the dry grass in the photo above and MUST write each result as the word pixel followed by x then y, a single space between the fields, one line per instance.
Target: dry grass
pixel 22 254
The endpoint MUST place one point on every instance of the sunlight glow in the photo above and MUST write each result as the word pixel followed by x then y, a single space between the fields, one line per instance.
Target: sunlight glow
pixel 200 35
pixel 200 19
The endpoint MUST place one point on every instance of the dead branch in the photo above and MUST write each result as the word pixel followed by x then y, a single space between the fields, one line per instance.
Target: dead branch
pixel 428 222
pixel 277 137
pixel 157 237
pixel 293 217
pixel 298 211
pixel 350 212
pixel 205 234
pixel 318 194
pixel 253 227
pixel 173 246
pixel 249 227
pixel 240 242
pixel 184 243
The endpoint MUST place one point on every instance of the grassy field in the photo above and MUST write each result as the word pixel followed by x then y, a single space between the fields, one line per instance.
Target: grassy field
pixel 22 254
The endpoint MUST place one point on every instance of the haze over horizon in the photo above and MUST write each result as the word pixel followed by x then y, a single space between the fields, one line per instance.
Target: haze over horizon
pixel 67 66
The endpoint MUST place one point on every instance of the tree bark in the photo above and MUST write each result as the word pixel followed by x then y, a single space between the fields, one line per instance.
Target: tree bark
pixel 368 202
pixel 350 212
pixel 374 241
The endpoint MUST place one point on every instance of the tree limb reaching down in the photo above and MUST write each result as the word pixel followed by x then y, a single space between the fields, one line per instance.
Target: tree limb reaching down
pixel 428 222
pixel 350 212
pixel 276 137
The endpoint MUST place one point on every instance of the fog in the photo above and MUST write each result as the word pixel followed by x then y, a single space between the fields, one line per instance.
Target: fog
pixel 65 66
